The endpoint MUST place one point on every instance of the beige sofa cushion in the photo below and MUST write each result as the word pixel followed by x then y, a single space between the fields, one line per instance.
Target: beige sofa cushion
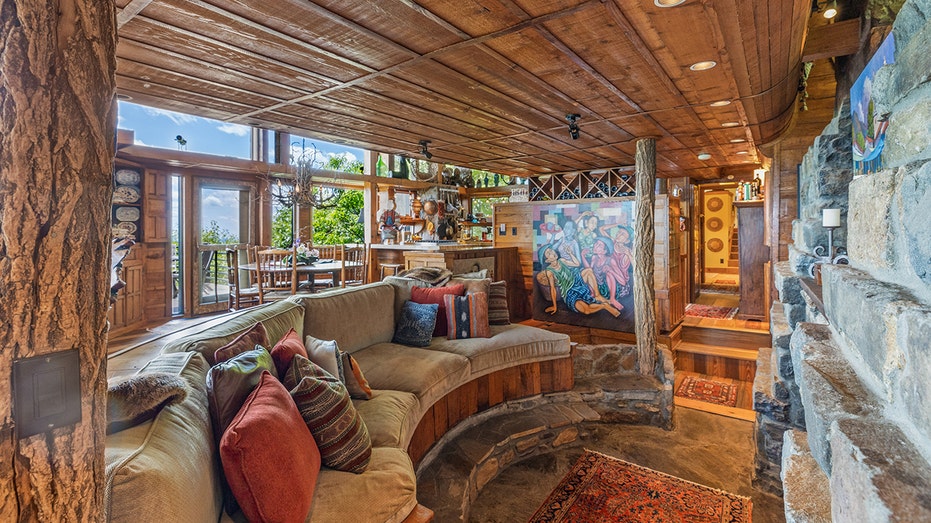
pixel 355 317
pixel 166 469
pixel 277 318
pixel 509 345
pixel 391 417
pixel 384 493
pixel 429 374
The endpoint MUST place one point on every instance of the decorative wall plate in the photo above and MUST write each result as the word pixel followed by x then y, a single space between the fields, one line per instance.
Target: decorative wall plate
pixel 127 214
pixel 715 245
pixel 126 194
pixel 124 229
pixel 714 224
pixel 715 204
pixel 128 177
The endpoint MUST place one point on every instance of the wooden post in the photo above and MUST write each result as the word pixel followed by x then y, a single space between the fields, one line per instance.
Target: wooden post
pixel 56 180
pixel 644 293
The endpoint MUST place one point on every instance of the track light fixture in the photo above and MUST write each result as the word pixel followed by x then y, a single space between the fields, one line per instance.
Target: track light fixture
pixel 423 149
pixel 573 125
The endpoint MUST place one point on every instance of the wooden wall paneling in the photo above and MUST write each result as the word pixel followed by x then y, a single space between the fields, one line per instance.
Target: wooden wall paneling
pixel 156 208
pixel 440 419
pixel 157 281
pixel 753 256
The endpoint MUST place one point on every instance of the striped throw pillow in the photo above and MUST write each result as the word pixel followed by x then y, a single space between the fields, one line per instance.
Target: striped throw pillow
pixel 324 403
pixel 467 316
pixel 498 313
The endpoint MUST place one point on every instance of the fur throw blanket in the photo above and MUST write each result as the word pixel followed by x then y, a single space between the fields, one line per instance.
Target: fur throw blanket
pixel 432 276
pixel 139 398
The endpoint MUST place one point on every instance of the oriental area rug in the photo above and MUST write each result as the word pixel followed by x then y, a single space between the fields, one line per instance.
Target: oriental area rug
pixel 602 489
pixel 709 391
pixel 720 288
pixel 710 311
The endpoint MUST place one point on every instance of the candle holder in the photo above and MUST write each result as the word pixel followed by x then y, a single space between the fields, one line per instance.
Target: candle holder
pixel 830 255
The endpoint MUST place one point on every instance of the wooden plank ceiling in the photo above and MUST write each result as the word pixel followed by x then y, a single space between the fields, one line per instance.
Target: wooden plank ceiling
pixel 489 82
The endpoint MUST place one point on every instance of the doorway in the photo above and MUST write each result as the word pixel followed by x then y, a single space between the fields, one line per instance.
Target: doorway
pixel 718 245
pixel 223 217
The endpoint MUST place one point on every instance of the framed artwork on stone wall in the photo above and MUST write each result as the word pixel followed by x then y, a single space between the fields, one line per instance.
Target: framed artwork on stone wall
pixel 869 126
pixel 583 264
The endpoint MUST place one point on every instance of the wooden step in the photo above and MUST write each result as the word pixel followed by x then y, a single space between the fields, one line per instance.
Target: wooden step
pixel 715 350
pixel 722 362
pixel 738 338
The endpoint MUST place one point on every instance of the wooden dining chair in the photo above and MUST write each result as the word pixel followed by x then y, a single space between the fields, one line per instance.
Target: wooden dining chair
pixel 355 265
pixel 277 273
pixel 242 293
pixel 326 252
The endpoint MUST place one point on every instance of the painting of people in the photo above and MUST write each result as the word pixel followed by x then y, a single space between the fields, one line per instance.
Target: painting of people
pixel 583 264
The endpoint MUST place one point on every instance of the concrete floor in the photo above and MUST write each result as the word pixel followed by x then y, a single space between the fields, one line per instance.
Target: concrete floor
pixel 704 448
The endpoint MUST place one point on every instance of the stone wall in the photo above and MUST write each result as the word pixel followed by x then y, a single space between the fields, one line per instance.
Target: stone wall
pixel 860 361
pixel 609 380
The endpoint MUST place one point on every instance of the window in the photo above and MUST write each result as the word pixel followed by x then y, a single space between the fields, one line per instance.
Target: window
pixel 172 130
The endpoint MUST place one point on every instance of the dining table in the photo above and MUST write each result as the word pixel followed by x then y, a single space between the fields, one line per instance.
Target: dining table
pixel 333 267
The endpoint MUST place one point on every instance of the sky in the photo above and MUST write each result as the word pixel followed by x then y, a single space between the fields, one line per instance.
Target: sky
pixel 159 128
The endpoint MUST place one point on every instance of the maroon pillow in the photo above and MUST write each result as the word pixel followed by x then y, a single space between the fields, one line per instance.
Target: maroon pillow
pixel 254 335
pixel 269 457
pixel 285 350
pixel 435 295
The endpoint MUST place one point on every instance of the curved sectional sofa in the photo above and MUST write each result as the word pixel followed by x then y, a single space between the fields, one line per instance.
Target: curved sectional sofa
pixel 168 469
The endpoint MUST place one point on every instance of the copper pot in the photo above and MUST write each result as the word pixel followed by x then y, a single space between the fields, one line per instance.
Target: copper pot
pixel 430 207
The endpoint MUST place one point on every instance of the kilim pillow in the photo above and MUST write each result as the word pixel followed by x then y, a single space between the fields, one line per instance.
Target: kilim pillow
pixel 467 316
pixel 435 295
pixel 285 350
pixel 498 313
pixel 416 324
pixel 267 429
pixel 324 404
pixel 253 336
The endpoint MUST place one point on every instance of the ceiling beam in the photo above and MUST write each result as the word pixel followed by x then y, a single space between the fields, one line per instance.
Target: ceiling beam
pixel 828 41
pixel 131 10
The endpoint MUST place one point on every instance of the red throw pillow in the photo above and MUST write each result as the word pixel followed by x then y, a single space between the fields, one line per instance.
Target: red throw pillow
pixel 254 335
pixel 435 295
pixel 283 351
pixel 269 457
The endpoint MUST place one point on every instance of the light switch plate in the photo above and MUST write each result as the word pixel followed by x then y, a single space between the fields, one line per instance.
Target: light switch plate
pixel 46 392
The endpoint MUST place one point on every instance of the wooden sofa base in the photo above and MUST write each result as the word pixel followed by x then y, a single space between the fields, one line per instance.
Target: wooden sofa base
pixel 520 381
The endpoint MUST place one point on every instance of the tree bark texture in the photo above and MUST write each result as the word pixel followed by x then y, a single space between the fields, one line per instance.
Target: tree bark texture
pixel 644 292
pixel 57 63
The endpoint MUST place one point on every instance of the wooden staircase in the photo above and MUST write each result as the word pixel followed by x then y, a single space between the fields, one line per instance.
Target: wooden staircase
pixel 726 355
pixel 734 259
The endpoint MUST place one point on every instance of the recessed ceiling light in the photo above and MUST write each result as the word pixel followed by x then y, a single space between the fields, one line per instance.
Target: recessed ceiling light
pixel 730 124
pixel 704 156
pixel 738 140
pixel 668 3
pixel 720 103
pixel 703 66
pixel 741 152
pixel 730 176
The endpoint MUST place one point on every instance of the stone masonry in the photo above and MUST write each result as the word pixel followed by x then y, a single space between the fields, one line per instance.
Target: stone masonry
pixel 609 380
pixel 859 367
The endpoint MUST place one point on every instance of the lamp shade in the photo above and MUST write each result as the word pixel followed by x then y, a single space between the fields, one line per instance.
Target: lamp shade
pixel 830 217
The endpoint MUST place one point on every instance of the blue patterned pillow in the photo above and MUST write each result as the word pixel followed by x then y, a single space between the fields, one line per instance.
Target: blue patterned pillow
pixel 415 326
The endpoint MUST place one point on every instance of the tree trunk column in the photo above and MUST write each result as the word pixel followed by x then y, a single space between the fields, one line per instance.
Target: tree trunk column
pixel 56 165
pixel 644 292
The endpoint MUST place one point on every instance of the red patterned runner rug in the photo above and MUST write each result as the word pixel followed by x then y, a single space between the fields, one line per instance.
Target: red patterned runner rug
pixel 709 391
pixel 602 489
pixel 710 311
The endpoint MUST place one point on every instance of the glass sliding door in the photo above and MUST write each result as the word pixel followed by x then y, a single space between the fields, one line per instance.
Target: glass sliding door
pixel 224 216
